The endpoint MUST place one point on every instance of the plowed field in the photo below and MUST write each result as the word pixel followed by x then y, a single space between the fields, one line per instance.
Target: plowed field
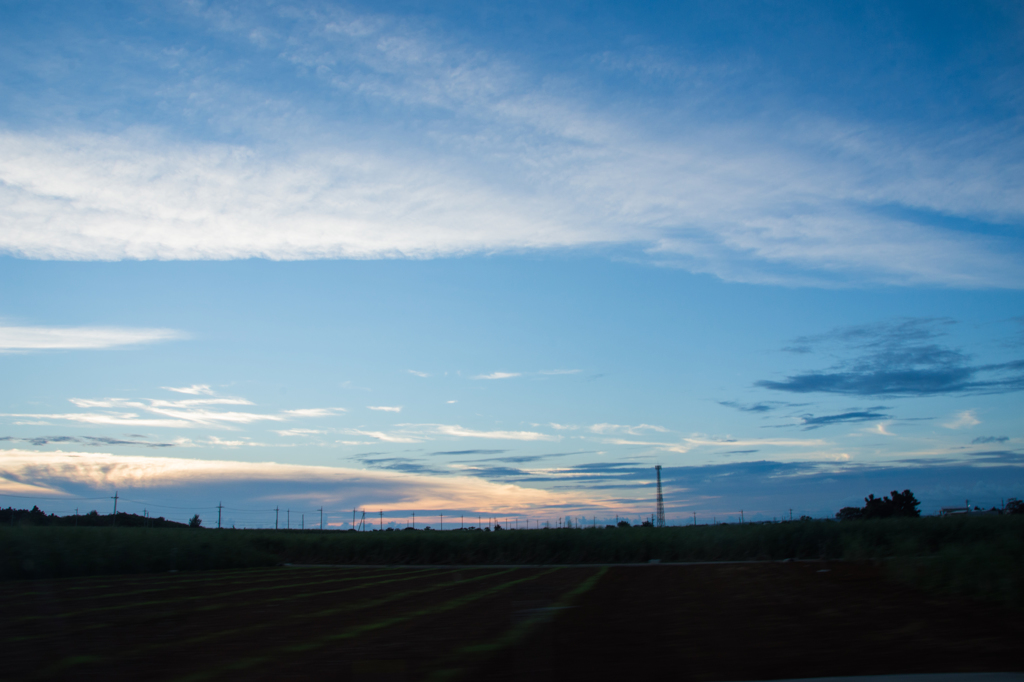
pixel 700 622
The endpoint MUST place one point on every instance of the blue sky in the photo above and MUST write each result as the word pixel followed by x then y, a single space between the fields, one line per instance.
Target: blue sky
pixel 504 259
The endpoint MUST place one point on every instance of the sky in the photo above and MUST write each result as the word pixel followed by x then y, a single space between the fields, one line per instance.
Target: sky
pixel 499 260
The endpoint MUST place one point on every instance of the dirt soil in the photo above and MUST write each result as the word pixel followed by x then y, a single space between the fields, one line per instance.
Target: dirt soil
pixel 721 622
pixel 763 622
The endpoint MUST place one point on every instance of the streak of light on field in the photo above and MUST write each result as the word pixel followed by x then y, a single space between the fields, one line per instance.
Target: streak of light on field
pixel 205 580
pixel 289 621
pixel 355 631
pixel 466 657
pixel 210 607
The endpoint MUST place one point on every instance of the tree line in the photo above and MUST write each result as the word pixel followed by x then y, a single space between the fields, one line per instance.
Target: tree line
pixel 37 517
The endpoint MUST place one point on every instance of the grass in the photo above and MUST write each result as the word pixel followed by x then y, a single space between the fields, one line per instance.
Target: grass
pixel 981 556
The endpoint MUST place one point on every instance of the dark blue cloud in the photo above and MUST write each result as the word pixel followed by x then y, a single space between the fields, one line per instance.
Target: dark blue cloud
pixel 87 440
pixel 980 440
pixel 809 421
pixel 762 406
pixel 901 359
pixel 404 464
pixel 495 472
pixel 1004 456
pixel 756 407
pixel 523 459
pixel 471 452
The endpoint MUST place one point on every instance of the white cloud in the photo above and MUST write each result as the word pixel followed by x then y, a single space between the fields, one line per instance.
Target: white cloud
pixel 385 437
pixel 631 430
pixel 422 375
pixel 962 420
pixel 300 432
pixel 747 442
pixel 452 402
pixel 316 412
pixel 688 444
pixel 384 408
pixel 194 389
pixel 498 375
pixel 458 431
pixel 666 447
pixel 84 338
pixel 190 413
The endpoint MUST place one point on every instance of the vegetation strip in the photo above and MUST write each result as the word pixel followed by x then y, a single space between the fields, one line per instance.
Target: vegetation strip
pixel 157 602
pixel 357 630
pixel 371 603
pixel 473 653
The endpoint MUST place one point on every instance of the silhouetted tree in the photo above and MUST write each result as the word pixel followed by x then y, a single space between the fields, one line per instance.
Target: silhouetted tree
pixel 849 513
pixel 900 504
pixel 195 522
pixel 1014 506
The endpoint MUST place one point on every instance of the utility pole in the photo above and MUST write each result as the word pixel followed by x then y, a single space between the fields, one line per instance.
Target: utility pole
pixel 219 507
pixel 289 526
pixel 76 516
pixel 277 514
pixel 441 527
pixel 382 519
pixel 660 522
pixel 695 518
pixel 414 520
pixel 321 518
pixel 790 514
pixel 115 507
pixel 353 518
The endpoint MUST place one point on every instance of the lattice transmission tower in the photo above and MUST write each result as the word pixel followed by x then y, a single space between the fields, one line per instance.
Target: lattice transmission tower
pixel 660 521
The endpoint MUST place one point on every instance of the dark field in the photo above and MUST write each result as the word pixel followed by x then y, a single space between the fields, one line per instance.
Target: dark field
pixel 696 622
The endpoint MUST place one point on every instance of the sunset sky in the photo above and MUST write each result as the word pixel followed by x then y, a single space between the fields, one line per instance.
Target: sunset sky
pixel 504 258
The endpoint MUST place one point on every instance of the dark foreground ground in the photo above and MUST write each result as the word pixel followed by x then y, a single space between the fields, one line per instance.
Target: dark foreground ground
pixel 699 622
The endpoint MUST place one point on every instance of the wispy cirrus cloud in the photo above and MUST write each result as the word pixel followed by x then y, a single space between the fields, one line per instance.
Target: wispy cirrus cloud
pixel 963 420
pixel 631 430
pixel 398 437
pixel 183 414
pixel 460 432
pixel 498 375
pixel 315 412
pixel 793 196
pixel 685 445
pixel 384 408
pixel 194 389
pixel 23 339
